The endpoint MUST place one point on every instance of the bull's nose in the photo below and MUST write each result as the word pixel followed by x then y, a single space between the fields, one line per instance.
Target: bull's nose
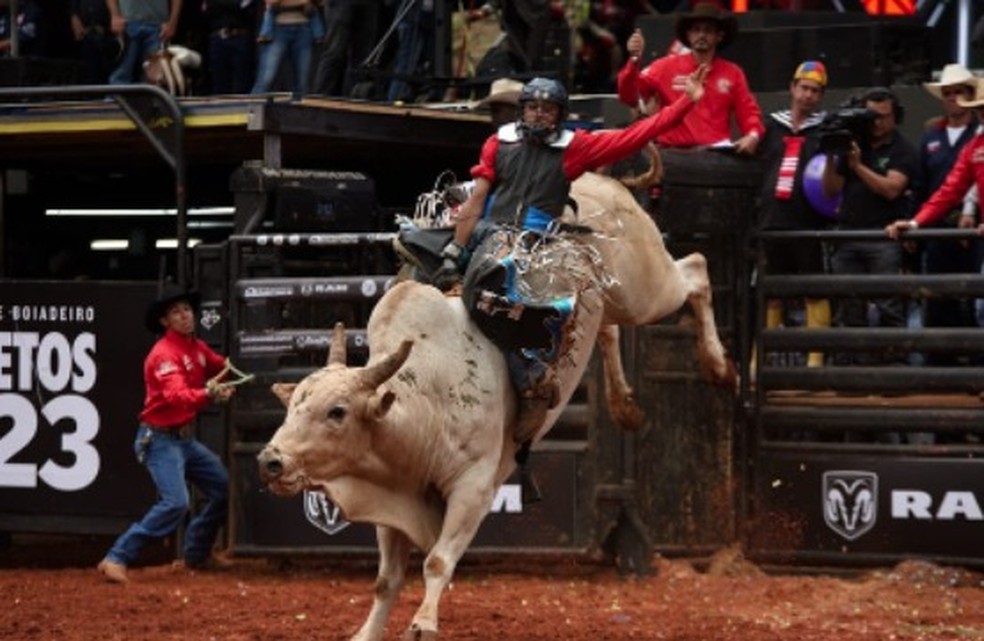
pixel 270 465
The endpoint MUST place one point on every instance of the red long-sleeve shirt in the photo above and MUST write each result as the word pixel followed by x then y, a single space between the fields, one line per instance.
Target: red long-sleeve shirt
pixel 726 91
pixel 589 150
pixel 175 372
pixel 967 170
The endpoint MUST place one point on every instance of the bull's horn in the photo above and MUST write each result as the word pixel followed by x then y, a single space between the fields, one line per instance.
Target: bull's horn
pixel 336 353
pixel 380 372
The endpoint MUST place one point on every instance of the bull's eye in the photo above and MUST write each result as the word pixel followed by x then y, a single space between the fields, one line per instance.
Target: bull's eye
pixel 336 413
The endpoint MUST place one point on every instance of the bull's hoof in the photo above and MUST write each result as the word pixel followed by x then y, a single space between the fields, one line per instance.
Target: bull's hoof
pixel 628 415
pixel 415 633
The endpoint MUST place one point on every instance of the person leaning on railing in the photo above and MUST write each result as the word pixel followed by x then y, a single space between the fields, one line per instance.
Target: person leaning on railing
pixel 967 171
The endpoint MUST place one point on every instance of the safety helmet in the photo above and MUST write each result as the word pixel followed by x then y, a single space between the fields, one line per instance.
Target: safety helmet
pixel 546 89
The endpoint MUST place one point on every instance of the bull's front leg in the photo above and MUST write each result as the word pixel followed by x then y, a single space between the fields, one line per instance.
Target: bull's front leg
pixel 394 555
pixel 621 400
pixel 467 506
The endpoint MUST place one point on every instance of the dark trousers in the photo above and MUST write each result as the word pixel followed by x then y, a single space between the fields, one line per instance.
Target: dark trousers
pixel 230 64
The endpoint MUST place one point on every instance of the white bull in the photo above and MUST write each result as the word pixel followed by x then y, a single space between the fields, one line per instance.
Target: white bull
pixel 418 440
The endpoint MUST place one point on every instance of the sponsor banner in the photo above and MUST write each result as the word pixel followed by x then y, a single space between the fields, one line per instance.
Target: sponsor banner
pixel 336 288
pixel 310 520
pixel 71 357
pixel 333 239
pixel 296 341
pixel 867 505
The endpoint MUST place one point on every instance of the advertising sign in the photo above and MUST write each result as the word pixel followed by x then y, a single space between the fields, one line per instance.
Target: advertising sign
pixel 311 522
pixel 71 356
pixel 863 505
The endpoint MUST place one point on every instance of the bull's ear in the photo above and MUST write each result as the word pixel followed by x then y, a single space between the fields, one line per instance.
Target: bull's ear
pixel 283 391
pixel 380 404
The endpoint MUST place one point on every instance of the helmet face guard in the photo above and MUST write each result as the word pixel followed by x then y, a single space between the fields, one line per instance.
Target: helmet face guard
pixel 548 90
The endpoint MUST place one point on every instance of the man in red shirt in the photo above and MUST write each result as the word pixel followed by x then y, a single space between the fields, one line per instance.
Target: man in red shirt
pixel 175 375
pixel 968 170
pixel 705 31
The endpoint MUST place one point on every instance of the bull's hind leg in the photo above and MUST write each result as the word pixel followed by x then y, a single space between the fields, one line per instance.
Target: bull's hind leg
pixel 621 399
pixel 717 367
pixel 467 505
pixel 394 554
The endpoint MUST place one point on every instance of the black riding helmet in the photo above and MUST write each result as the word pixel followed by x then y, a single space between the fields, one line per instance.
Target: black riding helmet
pixel 546 89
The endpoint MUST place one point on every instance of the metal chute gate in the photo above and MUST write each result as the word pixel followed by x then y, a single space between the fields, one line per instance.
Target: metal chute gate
pixel 873 462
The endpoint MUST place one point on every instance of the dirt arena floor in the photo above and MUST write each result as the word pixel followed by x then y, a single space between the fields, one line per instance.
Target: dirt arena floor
pixel 50 591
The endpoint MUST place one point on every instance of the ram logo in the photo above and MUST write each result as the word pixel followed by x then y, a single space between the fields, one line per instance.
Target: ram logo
pixel 850 502
pixel 322 513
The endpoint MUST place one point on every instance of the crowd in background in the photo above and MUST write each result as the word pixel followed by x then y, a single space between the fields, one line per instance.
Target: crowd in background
pixel 378 49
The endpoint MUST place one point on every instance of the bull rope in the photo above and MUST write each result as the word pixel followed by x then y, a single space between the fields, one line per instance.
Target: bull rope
pixel 217 384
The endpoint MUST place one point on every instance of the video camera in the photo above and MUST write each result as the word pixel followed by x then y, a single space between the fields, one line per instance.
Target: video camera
pixel 851 121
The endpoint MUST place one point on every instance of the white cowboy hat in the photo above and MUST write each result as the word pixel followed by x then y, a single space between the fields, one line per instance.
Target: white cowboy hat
pixel 978 99
pixel 952 74
pixel 504 90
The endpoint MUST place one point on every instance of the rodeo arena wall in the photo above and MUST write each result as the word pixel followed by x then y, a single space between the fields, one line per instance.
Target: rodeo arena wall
pixel 791 466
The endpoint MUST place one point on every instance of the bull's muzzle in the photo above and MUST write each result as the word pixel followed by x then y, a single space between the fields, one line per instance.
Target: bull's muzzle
pixel 271 465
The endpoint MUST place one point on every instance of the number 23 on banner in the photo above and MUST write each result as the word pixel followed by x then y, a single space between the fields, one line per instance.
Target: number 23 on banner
pixel 55 364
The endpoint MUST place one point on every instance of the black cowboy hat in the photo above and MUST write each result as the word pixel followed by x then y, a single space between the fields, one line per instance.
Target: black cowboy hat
pixel 168 295
pixel 712 11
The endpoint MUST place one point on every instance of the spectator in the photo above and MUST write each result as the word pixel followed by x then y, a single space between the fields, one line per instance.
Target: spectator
pixel 937 153
pixel 145 27
pixel 30 29
pixel 874 175
pixel 967 171
pixel 230 44
pixel 352 28
pixel 293 36
pixel 707 30
pixel 97 46
pixel 415 35
pixel 175 375
pixel 502 101
pixel 791 142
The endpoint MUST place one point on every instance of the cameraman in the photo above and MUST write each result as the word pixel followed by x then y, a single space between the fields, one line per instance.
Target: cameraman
pixel 874 176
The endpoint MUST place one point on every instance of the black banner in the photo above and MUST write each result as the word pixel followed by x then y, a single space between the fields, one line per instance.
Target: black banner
pixel 264 522
pixel 857 505
pixel 71 386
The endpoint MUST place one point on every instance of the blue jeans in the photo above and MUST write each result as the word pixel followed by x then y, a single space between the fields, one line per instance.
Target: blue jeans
pixel 293 40
pixel 142 39
pixel 170 460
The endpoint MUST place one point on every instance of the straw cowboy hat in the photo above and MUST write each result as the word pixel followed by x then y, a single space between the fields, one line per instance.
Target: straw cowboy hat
pixel 169 295
pixel 504 90
pixel 952 74
pixel 703 11
pixel 978 99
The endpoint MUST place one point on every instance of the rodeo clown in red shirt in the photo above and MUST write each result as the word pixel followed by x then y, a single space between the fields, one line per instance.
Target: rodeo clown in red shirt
pixel 968 170
pixel 704 31
pixel 176 372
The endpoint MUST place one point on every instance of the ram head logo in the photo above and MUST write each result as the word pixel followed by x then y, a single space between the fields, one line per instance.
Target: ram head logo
pixel 850 502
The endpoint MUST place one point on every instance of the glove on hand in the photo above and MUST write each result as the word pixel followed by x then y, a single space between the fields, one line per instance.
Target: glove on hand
pixel 448 275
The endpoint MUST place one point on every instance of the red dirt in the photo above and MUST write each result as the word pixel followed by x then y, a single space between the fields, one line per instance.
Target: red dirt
pixel 50 590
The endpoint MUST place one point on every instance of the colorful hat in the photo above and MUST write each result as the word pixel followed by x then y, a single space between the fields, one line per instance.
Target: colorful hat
pixel 812 70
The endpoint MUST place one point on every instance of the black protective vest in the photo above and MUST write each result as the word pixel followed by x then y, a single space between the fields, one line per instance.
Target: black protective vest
pixel 528 174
